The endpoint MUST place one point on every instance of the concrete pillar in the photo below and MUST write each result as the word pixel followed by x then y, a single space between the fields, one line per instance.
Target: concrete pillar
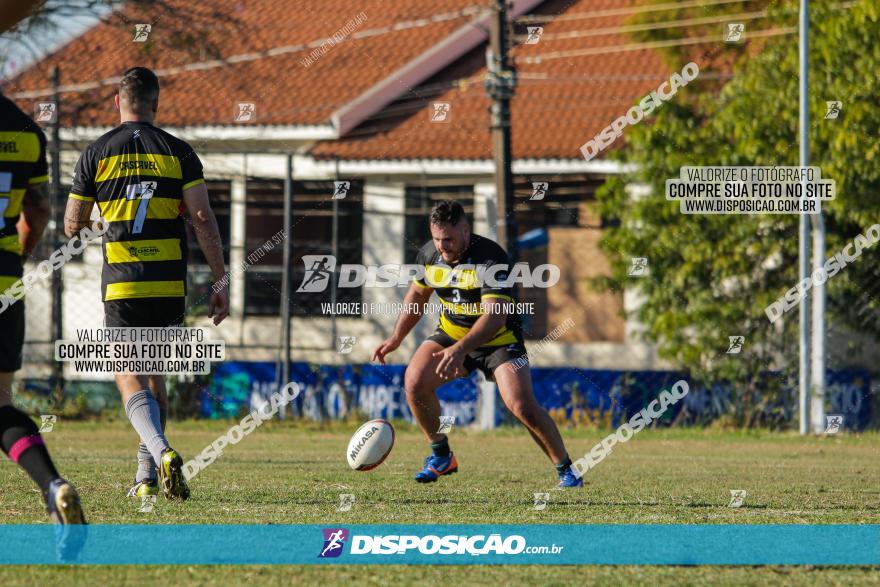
pixel 383 235
pixel 383 222
pixel 633 299
pixel 484 222
pixel 487 404
pixel 237 252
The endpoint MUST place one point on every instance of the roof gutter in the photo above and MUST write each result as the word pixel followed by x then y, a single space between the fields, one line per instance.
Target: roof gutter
pixel 452 167
pixel 243 132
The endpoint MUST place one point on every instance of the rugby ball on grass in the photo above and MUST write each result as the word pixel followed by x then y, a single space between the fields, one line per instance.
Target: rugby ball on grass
pixel 370 445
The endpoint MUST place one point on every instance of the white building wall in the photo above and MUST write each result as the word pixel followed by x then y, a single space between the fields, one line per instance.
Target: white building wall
pixel 316 339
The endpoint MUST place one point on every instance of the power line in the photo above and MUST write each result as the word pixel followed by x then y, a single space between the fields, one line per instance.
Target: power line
pixel 461 83
pixel 728 17
pixel 377 32
pixel 539 18
pixel 406 25
pixel 258 55
pixel 536 76
pixel 648 45
pixel 652 26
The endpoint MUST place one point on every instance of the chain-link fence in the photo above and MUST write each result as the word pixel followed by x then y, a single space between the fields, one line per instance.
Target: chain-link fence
pixel 350 228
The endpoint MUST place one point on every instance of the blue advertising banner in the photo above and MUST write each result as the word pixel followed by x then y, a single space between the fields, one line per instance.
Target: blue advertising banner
pixel 497 544
pixel 598 397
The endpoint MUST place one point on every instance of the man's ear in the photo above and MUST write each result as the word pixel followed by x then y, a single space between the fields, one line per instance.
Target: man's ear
pixel 155 105
pixel 116 101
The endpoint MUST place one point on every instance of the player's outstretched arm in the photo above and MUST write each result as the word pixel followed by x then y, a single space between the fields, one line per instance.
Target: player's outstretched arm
pixel 415 299
pixel 204 224
pixel 35 213
pixel 484 329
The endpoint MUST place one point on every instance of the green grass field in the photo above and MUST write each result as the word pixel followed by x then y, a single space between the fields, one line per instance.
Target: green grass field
pixel 293 474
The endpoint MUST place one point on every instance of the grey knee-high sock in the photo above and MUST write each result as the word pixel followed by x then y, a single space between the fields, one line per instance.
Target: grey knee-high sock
pixel 143 413
pixel 146 470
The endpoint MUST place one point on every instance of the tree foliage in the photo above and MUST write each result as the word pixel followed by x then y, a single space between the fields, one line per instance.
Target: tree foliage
pixel 711 276
pixel 185 24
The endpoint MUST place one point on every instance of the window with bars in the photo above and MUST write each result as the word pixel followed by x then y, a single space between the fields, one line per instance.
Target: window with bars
pixel 314 210
pixel 559 202
pixel 199 278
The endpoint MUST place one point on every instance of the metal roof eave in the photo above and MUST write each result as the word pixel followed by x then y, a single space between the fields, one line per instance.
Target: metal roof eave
pixel 464 167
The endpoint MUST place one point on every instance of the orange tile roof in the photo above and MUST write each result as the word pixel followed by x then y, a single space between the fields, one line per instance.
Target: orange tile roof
pixel 285 91
pixel 560 102
pixel 575 81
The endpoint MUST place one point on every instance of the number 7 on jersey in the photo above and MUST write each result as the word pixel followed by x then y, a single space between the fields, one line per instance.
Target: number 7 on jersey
pixel 143 190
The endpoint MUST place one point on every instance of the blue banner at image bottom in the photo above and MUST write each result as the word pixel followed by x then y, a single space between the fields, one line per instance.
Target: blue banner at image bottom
pixel 443 544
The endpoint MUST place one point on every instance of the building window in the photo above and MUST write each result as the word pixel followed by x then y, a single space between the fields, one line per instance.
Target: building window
pixel 419 201
pixel 220 194
pixel 312 226
pixel 560 205
pixel 199 277
pixel 567 211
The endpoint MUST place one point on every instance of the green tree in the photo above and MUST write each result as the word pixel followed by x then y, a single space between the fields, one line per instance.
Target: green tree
pixel 711 276
pixel 184 27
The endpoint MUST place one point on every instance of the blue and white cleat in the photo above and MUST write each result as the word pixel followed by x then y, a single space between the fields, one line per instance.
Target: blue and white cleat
pixel 435 467
pixel 568 479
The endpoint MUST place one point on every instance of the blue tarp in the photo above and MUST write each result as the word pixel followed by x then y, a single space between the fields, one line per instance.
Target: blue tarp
pixel 597 396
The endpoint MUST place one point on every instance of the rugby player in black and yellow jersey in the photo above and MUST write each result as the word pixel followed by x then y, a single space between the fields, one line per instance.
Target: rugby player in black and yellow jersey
pixel 143 179
pixel 24 214
pixel 474 332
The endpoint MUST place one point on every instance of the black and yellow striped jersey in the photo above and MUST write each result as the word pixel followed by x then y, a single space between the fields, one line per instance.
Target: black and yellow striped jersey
pixel 22 164
pixel 461 292
pixel 137 174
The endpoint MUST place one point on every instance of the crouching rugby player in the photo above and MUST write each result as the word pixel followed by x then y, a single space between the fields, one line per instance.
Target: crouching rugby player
pixel 474 333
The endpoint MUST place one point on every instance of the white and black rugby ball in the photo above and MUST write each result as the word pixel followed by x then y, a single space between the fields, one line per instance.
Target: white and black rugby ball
pixel 370 445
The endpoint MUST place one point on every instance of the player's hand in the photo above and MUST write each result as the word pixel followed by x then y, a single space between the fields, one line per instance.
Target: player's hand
pixel 218 305
pixel 387 346
pixel 451 363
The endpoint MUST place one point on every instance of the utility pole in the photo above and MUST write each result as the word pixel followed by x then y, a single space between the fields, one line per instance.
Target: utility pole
pixel 285 274
pixel 804 230
pixel 54 235
pixel 817 330
pixel 500 84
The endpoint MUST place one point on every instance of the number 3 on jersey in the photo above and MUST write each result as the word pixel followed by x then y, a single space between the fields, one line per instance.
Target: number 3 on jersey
pixel 456 296
pixel 143 190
